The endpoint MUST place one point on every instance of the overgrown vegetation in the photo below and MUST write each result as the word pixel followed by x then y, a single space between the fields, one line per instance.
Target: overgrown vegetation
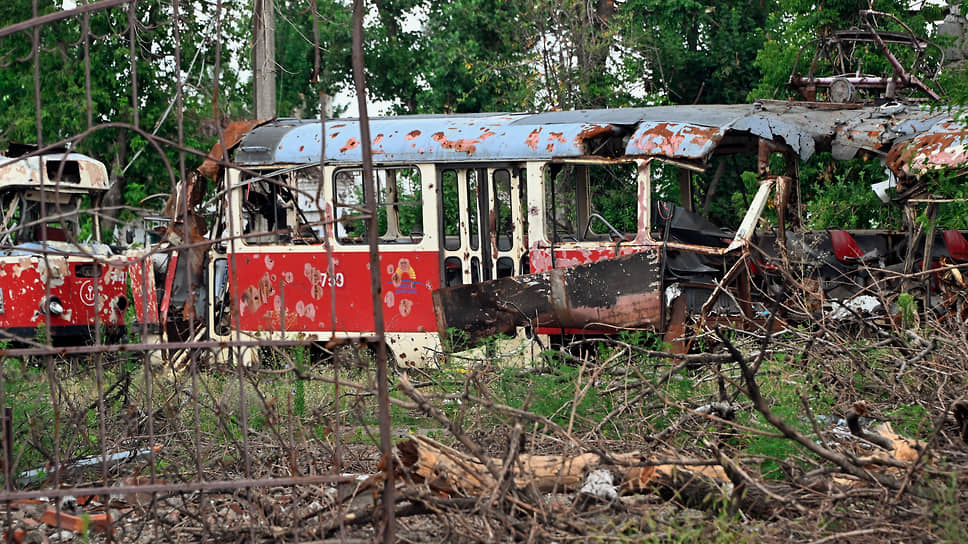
pixel 308 411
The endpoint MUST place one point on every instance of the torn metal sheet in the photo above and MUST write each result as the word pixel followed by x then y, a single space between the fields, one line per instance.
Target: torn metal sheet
pixel 231 136
pixel 620 292
pixel 943 146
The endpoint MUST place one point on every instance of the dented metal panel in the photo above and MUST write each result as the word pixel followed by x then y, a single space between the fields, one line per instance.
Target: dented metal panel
pixel 675 140
pixel 944 145
pixel 619 292
pixel 674 132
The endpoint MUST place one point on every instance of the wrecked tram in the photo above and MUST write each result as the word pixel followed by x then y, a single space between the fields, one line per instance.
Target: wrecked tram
pixel 56 276
pixel 540 224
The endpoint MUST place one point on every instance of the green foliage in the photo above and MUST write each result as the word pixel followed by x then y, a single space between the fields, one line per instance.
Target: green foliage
pixel 471 58
pixel 911 420
pixel 700 51
pixel 947 513
pixel 838 194
pixel 299 23
pixel 550 394
pixel 908 308
pixel 63 97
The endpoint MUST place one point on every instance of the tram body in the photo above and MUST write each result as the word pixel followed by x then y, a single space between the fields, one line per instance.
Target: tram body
pixel 478 212
pixel 54 279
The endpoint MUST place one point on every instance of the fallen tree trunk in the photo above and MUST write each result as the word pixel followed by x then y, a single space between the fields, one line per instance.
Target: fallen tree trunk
pixel 451 472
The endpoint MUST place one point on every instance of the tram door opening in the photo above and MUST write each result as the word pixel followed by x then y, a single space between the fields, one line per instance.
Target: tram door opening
pixel 482 223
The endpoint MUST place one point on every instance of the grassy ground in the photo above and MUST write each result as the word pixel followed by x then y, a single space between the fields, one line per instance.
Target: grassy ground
pixel 302 414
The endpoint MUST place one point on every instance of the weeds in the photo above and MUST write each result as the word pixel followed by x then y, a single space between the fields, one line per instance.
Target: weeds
pixel 309 410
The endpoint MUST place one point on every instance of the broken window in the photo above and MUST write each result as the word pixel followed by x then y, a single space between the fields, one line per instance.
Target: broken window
pixel 266 210
pixel 28 216
pixel 591 202
pixel 309 206
pixel 503 228
pixel 399 205
pixel 63 171
pixel 473 217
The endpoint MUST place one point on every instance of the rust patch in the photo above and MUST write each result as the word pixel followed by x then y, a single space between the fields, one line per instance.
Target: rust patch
pixel 931 151
pixel 593 131
pixel 378 139
pixel 665 139
pixel 463 145
pixel 231 136
pixel 532 140
pixel 352 143
pixel 412 135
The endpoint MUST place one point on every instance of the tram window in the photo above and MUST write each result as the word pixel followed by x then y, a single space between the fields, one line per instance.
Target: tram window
pixel 472 207
pixel 504 229
pixel 614 201
pixel 68 171
pixel 55 221
pixel 265 212
pixel 399 205
pixel 450 203
pixel 505 267
pixel 561 218
pixel 475 270
pixel 306 185
pixel 453 272
pixel 591 202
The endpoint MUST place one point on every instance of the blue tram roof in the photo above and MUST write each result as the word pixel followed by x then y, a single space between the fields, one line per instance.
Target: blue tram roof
pixel 675 132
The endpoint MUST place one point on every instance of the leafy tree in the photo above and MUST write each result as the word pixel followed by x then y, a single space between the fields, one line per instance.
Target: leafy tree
pixel 306 69
pixel 699 51
pixel 135 167
pixel 472 58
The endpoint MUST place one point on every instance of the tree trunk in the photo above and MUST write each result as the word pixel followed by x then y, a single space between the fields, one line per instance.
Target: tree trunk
pixel 114 197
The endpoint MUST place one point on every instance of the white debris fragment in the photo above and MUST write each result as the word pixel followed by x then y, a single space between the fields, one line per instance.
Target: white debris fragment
pixel 599 483
pixel 864 304
pixel 68 502
pixel 62 536
pixel 672 292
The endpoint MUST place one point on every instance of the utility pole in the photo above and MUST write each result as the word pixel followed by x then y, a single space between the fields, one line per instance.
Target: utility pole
pixel 264 59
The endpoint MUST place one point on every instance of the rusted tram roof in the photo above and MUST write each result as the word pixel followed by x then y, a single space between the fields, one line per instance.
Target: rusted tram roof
pixel 78 172
pixel 943 146
pixel 678 132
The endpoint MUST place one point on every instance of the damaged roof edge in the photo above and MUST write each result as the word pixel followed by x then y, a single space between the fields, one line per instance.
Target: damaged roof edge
pixel 676 132
pixel 944 146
